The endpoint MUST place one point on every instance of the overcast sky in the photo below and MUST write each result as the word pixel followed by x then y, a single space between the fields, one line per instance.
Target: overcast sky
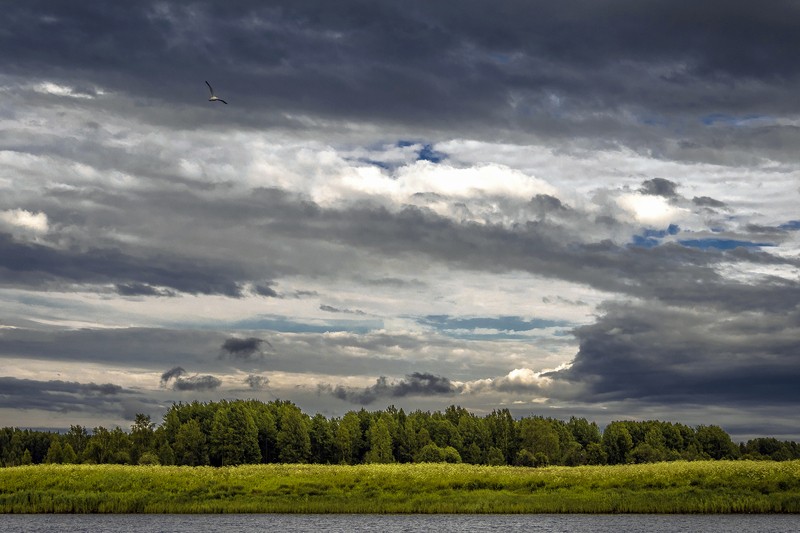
pixel 580 208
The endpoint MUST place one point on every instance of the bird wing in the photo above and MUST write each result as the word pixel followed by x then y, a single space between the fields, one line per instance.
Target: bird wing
pixel 221 100
pixel 210 88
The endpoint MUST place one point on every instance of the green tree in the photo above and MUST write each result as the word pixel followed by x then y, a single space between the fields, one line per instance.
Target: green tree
pixel 55 454
pixel 166 455
pixel 596 454
pixel 716 443
pixel 347 437
pixel 617 442
pixel 380 442
pixel 495 457
pixel 503 433
pixel 294 443
pixel 583 431
pixel 78 438
pixel 538 436
pixel 234 436
pixel 99 449
pixel 431 453
pixel 142 436
pixel 191 448
pixel 322 441
pixel 69 455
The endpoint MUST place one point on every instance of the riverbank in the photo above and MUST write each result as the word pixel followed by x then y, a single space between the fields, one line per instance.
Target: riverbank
pixel 676 487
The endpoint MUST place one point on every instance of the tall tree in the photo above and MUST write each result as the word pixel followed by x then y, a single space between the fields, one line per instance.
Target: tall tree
pixel 322 442
pixel 294 443
pixel 380 442
pixel 234 436
pixel 617 442
pixel 190 447
pixel 142 437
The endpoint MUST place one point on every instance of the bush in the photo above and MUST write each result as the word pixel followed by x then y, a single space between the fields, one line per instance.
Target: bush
pixel 149 459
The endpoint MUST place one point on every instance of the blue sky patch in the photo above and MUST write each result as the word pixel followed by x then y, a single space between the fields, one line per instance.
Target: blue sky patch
pixel 730 120
pixel 426 153
pixel 721 244
pixel 505 326
pixel 792 225
pixel 650 238
pixel 284 325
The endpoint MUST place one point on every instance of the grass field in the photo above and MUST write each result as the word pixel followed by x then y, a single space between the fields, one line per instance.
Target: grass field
pixel 677 487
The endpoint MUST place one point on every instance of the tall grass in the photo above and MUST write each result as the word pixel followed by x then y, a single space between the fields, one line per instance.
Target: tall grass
pixel 677 487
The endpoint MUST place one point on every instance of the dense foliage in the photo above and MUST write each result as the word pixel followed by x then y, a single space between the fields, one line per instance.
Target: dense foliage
pixel 228 433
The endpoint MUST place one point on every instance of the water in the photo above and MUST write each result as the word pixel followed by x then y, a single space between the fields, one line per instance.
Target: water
pixel 400 523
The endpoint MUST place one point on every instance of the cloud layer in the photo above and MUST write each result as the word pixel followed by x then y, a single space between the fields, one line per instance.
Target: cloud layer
pixel 561 209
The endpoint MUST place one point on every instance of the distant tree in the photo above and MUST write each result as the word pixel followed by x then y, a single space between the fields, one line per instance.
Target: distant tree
pixel 69 455
pixel 596 454
pixel 190 448
pixel 166 455
pixel 431 453
pixel 584 432
pixel 234 436
pixel 525 458
pixel 475 437
pixel 380 441
pixel 495 457
pixel 347 437
pixel 264 418
pixel 322 441
pixel 716 443
pixel 142 436
pixel 55 454
pixel 149 458
pixel 503 433
pixel 294 443
pixel 99 448
pixel 78 438
pixel 617 442
pixel 538 436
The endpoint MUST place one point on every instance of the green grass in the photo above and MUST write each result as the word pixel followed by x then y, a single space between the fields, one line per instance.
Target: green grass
pixel 678 487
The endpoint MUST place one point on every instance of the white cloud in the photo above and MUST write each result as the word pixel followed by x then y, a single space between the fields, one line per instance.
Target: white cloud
pixel 651 210
pixel 55 89
pixel 27 221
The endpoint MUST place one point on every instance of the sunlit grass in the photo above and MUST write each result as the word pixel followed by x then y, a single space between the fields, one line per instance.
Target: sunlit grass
pixel 677 487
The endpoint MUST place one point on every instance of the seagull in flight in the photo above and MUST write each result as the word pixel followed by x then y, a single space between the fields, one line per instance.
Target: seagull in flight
pixel 214 98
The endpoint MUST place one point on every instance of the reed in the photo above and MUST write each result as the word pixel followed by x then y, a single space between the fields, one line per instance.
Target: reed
pixel 675 487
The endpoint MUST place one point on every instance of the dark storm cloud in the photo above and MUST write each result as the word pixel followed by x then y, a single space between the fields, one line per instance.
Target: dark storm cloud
pixel 706 201
pixel 415 384
pixel 266 290
pixel 196 383
pixel 654 353
pixel 142 289
pixel 467 67
pixel 544 203
pixel 36 265
pixel 172 373
pixel 256 382
pixel 193 383
pixel 332 309
pixel 660 187
pixel 244 349
pixel 127 347
pixel 672 273
pixel 64 396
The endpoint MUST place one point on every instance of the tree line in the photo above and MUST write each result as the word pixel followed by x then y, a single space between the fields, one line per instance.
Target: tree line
pixel 249 432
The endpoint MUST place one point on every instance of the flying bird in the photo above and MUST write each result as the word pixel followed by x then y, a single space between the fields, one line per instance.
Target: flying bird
pixel 214 98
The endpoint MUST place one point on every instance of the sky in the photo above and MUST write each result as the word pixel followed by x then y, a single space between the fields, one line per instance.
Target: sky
pixel 584 208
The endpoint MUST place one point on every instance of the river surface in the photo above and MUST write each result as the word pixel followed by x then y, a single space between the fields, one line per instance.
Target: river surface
pixel 542 523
